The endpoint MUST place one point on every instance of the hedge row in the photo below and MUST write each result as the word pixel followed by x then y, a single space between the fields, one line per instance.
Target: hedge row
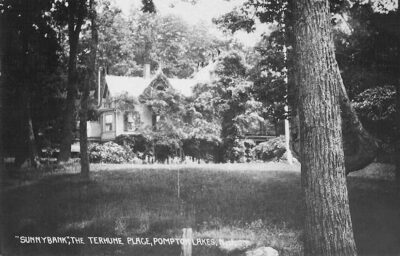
pixel 136 148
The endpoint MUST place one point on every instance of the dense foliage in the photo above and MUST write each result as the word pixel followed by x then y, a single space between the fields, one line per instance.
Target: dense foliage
pixel 271 149
pixel 366 39
pixel 33 87
pixel 376 107
pixel 248 93
pixel 109 152
pixel 164 41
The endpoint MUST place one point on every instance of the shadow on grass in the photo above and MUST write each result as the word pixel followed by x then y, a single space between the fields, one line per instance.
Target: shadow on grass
pixel 376 216
pixel 263 206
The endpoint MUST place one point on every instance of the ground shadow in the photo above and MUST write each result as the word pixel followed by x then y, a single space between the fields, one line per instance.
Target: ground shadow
pixel 143 203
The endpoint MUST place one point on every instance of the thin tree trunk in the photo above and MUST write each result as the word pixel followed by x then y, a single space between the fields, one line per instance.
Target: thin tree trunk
pixel 33 153
pixel 83 140
pixel 2 164
pixel 74 28
pixel 397 135
pixel 91 79
pixel 2 44
pixel 397 146
pixel 328 227
pixel 27 136
pixel 21 153
pixel 69 113
pixel 27 150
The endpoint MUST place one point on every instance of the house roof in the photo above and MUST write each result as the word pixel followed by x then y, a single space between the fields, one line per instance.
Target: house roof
pixel 184 86
pixel 206 74
pixel 135 86
pixel 118 85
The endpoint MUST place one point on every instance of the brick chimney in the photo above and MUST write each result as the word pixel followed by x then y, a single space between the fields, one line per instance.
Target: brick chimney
pixel 146 71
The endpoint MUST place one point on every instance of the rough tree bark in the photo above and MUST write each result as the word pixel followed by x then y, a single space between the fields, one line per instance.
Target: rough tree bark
pixel 83 140
pixel 27 138
pixel 397 149
pixel 360 148
pixel 33 152
pixel 75 20
pixel 27 150
pixel 397 152
pixel 2 164
pixel 91 80
pixel 328 227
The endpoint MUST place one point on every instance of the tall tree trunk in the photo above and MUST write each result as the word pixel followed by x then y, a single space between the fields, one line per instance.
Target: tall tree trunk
pixel 397 149
pixel 360 148
pixel 21 153
pixel 328 227
pixel 27 135
pixel 2 45
pixel 397 138
pixel 2 155
pixel 33 153
pixel 27 149
pixel 69 112
pixel 83 139
pixel 91 80
pixel 75 20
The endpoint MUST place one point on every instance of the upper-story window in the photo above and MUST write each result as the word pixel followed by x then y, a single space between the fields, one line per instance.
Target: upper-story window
pixel 108 122
pixel 107 103
pixel 160 87
pixel 131 120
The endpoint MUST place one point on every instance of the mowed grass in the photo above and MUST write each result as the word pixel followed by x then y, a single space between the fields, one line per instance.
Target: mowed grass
pixel 259 202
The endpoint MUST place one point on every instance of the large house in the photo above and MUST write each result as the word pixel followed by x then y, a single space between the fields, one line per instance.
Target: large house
pixel 113 121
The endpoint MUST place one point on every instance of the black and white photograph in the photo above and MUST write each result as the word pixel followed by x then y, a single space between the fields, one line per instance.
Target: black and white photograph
pixel 199 128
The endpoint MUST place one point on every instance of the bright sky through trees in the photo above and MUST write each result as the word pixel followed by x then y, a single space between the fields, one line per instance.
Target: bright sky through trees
pixel 201 12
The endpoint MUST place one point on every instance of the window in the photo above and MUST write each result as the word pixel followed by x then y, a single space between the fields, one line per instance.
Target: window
pixel 131 120
pixel 108 122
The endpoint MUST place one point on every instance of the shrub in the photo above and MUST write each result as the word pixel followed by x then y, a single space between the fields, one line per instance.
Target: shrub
pixel 201 148
pixel 136 143
pixel 109 152
pixel 249 153
pixel 271 149
pixel 238 150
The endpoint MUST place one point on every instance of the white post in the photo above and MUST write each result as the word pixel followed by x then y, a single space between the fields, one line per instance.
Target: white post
pixel 186 247
pixel 179 185
pixel 287 138
pixel 287 128
pixel 99 88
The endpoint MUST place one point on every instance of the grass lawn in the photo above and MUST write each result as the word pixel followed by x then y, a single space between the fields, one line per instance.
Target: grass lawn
pixel 259 202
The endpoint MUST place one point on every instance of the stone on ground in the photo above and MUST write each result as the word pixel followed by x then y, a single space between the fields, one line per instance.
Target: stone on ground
pixel 262 251
pixel 235 245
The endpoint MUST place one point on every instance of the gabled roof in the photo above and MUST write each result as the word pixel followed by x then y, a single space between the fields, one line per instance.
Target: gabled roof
pixel 135 86
pixel 183 86
pixel 118 85
pixel 206 74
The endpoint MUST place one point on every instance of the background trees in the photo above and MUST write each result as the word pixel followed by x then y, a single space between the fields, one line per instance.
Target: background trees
pixel 365 42
pixel 31 83
pixel 126 44
pixel 76 11
pixel 57 65
pixel 237 107
pixel 43 69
